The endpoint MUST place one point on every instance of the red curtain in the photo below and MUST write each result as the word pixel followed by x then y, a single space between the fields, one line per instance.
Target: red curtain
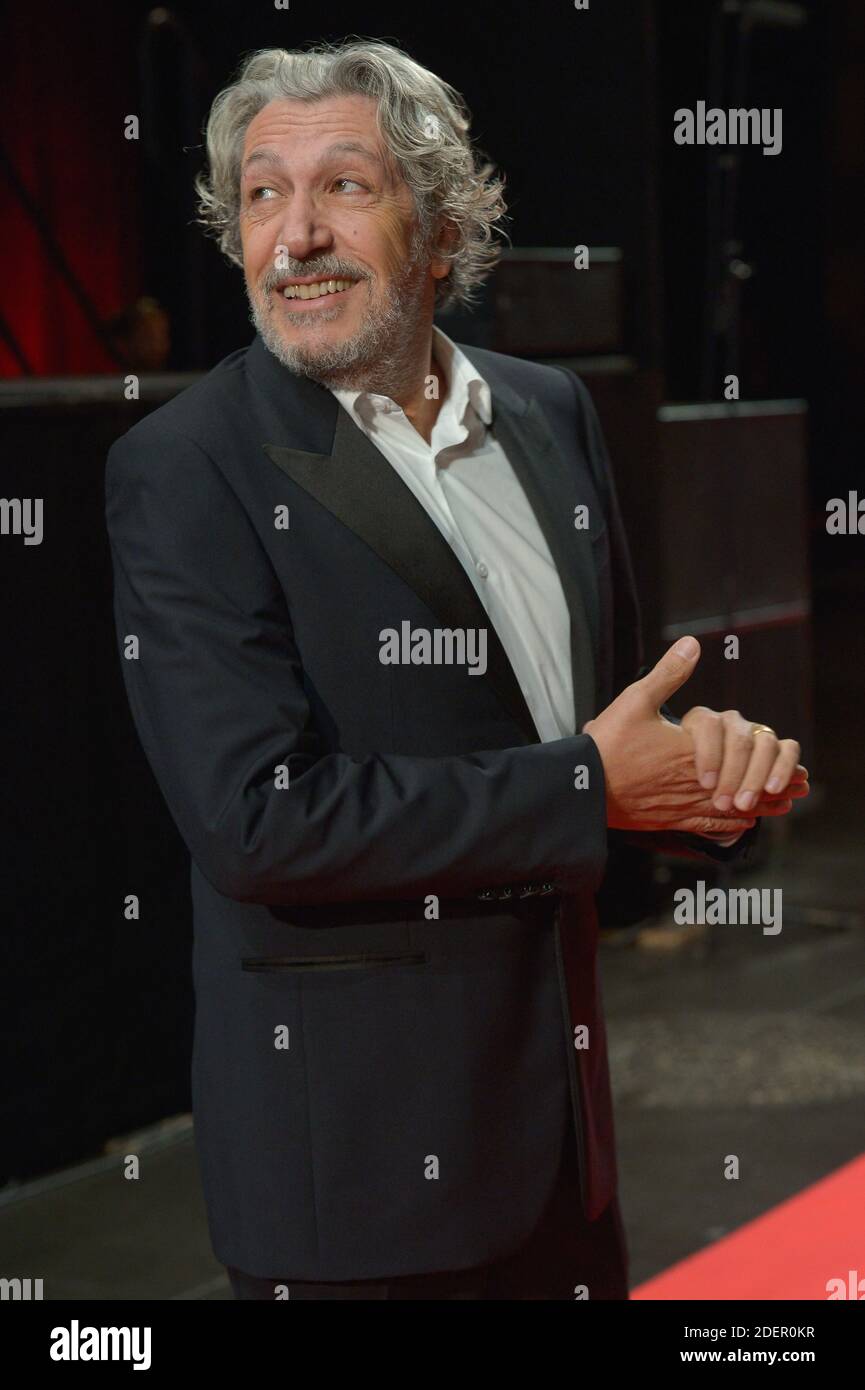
pixel 69 82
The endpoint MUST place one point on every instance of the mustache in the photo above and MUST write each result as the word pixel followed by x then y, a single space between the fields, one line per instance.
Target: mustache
pixel 330 269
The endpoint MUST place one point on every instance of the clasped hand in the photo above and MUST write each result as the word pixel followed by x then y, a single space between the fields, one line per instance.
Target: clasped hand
pixel 711 775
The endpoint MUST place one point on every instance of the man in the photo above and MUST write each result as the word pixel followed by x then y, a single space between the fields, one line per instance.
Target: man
pixel 373 666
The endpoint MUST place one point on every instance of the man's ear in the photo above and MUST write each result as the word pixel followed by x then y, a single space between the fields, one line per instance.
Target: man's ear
pixel 443 243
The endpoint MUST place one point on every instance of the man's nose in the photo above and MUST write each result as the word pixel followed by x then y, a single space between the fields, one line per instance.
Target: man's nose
pixel 303 229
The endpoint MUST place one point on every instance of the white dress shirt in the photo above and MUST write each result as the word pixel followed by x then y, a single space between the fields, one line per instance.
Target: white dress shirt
pixel 464 481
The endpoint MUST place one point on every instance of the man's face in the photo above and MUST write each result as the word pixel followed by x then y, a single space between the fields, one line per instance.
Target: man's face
pixel 320 202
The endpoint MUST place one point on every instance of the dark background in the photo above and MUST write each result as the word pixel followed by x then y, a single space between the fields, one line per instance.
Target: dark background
pixel 577 109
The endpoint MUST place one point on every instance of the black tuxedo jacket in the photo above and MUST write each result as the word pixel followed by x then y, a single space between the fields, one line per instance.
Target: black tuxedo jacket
pixel 393 879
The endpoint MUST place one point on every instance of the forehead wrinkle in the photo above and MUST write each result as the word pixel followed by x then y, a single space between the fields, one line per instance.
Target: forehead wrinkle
pixel 262 157
pixel 268 156
pixel 353 147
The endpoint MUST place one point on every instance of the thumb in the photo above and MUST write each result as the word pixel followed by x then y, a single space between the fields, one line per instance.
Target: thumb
pixel 671 672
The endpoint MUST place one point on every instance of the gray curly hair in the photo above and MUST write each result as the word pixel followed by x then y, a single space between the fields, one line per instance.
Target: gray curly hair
pixel 424 124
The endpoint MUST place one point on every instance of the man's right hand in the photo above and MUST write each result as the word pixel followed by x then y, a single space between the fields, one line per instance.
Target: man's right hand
pixel 649 767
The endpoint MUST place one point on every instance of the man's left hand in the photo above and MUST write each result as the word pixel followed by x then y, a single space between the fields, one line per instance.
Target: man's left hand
pixel 744 763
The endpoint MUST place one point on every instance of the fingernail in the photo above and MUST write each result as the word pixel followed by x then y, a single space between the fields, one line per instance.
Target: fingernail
pixel 708 779
pixel 745 800
pixel 686 647
pixel 723 803
pixel 774 785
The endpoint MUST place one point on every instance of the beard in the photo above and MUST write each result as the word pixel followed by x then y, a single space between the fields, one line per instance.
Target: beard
pixel 378 356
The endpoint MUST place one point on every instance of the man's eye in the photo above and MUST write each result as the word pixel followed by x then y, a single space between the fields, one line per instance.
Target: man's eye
pixel 353 182
pixel 265 188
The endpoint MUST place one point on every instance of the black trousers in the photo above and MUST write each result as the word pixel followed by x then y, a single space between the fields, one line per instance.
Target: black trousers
pixel 564 1255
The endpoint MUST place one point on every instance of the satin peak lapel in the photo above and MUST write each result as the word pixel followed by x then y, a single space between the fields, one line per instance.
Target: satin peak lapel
pixel 359 487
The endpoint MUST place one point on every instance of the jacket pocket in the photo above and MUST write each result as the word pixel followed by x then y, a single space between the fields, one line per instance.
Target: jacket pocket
pixel 367 960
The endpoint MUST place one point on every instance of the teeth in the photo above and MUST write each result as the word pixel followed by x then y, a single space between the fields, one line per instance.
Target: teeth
pixel 316 289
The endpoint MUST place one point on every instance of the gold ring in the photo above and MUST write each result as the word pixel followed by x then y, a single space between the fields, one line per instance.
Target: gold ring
pixel 763 729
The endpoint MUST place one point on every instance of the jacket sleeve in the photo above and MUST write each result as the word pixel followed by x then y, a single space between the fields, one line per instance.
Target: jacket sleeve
pixel 628 653
pixel 216 690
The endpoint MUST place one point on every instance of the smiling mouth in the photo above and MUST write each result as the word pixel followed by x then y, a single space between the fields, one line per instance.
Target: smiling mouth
pixel 316 291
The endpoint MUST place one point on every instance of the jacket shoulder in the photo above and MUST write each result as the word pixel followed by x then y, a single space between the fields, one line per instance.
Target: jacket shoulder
pixel 200 413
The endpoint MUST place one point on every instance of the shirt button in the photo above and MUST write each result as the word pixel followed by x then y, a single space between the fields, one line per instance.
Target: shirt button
pixel 482 569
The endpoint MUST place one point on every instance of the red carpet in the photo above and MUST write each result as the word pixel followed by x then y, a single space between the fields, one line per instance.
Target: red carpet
pixel 791 1252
